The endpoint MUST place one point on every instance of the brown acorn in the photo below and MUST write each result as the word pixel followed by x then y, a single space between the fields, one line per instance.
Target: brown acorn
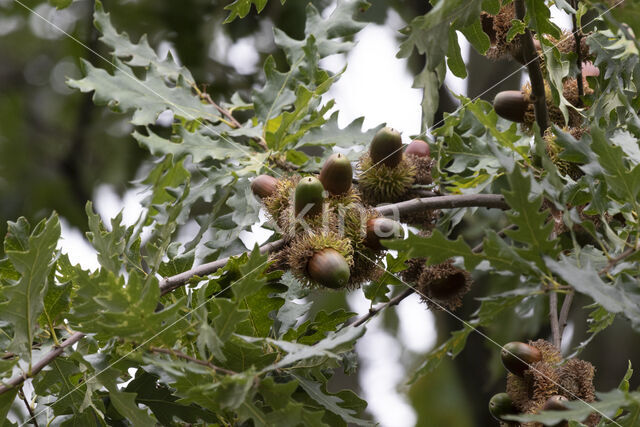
pixel 555 403
pixel 511 105
pixel 309 191
pixel 336 174
pixel 590 70
pixel 264 186
pixel 501 405
pixel 382 228
pixel 328 268
pixel 418 148
pixel 386 147
pixel 517 356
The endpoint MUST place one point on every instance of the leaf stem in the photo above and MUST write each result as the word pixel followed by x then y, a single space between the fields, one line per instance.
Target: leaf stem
pixel 577 35
pixel 181 355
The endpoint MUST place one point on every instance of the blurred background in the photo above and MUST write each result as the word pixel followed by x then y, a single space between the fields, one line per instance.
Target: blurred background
pixel 58 150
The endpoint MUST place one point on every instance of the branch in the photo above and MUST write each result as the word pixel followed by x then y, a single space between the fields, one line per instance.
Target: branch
pixel 28 405
pixel 48 358
pixel 171 283
pixel 553 316
pixel 564 311
pixel 181 355
pixel 445 202
pixel 535 74
pixel 373 311
pixel 613 261
pixel 577 35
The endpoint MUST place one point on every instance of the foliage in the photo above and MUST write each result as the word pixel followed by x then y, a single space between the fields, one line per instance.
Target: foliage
pixel 243 344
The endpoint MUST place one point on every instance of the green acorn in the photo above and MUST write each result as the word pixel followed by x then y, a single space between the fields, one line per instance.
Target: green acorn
pixel 328 268
pixel 511 105
pixel 419 148
pixel 382 228
pixel 309 191
pixel 501 405
pixel 517 356
pixel 336 174
pixel 264 186
pixel 386 147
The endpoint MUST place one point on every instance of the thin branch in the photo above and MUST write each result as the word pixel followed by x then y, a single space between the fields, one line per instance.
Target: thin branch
pixel 445 202
pixel 553 317
pixel 234 123
pixel 171 283
pixel 613 261
pixel 48 358
pixel 181 355
pixel 501 233
pixel 577 35
pixel 32 416
pixel 373 311
pixel 535 74
pixel 564 311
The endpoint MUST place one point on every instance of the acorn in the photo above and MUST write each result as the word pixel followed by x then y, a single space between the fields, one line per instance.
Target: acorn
pixel 419 148
pixel 309 191
pixel 511 105
pixel 336 174
pixel 328 268
pixel 264 186
pixel 501 405
pixel 517 356
pixel 382 228
pixel 386 147
pixel 590 70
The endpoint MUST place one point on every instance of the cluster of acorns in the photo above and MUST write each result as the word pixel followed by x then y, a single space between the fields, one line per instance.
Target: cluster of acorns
pixel 517 105
pixel 539 381
pixel 331 230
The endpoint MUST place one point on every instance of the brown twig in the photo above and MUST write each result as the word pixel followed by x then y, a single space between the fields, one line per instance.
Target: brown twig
pixel 445 202
pixel 613 261
pixel 32 416
pixel 553 317
pixel 577 35
pixel 234 123
pixel 181 355
pixel 535 74
pixel 564 311
pixel 393 301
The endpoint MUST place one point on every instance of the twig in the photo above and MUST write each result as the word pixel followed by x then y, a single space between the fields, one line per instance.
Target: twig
pixel 501 233
pixel 32 416
pixel 445 202
pixel 577 35
pixel 613 261
pixel 564 311
pixel 234 123
pixel 373 311
pixel 535 74
pixel 553 317
pixel 48 358
pixel 181 355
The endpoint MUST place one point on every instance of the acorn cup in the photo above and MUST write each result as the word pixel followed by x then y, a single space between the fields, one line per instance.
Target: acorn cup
pixel 309 192
pixel 386 148
pixel 382 228
pixel 419 148
pixel 518 356
pixel 336 174
pixel 328 268
pixel 264 186
pixel 500 405
pixel 511 105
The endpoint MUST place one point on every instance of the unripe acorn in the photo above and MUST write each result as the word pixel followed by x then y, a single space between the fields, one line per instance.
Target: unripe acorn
pixel 386 147
pixel 517 356
pixel 309 191
pixel 418 148
pixel 336 174
pixel 329 268
pixel 382 228
pixel 510 105
pixel 264 186
pixel 501 405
